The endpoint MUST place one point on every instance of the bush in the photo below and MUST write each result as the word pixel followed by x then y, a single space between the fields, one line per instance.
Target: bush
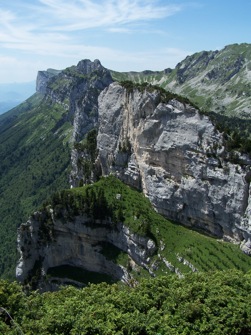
pixel 211 303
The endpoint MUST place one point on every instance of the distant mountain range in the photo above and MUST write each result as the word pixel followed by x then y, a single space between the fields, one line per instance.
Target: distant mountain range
pixel 218 81
pixel 12 94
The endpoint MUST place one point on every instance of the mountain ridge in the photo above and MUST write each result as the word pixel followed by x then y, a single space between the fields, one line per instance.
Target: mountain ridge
pixel 71 113
pixel 206 72
pixel 161 146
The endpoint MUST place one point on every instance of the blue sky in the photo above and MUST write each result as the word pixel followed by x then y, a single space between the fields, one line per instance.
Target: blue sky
pixel 123 34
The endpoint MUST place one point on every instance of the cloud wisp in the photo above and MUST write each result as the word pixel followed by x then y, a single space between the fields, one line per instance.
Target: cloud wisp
pixel 86 14
pixel 48 23
pixel 51 31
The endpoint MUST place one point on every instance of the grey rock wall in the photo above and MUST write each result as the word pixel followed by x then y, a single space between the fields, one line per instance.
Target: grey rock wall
pixel 43 78
pixel 78 243
pixel 178 158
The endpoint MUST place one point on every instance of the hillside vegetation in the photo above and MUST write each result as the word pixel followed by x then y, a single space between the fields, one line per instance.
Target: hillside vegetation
pixel 34 156
pixel 202 303
pixel 184 249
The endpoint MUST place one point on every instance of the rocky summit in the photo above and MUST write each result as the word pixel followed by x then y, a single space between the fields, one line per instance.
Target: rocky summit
pixel 153 141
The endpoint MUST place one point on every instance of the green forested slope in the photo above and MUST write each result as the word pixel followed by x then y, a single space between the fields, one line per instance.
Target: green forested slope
pixel 215 303
pixel 34 158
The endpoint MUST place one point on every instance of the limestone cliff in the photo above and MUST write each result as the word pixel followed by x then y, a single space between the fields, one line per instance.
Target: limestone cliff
pixel 84 106
pixel 43 78
pixel 177 157
pixel 47 243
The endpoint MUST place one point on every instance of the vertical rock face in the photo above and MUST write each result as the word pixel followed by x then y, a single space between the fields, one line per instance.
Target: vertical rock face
pixel 84 98
pixel 84 106
pixel 176 156
pixel 168 150
pixel 43 78
pixel 79 243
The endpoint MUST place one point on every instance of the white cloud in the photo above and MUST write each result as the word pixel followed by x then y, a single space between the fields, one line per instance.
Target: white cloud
pixel 6 16
pixel 56 33
pixel 53 20
pixel 49 23
pixel 120 30
pixel 86 14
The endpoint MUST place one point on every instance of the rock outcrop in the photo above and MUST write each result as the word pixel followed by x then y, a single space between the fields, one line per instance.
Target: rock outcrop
pixel 46 243
pixel 76 89
pixel 43 78
pixel 84 106
pixel 177 157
